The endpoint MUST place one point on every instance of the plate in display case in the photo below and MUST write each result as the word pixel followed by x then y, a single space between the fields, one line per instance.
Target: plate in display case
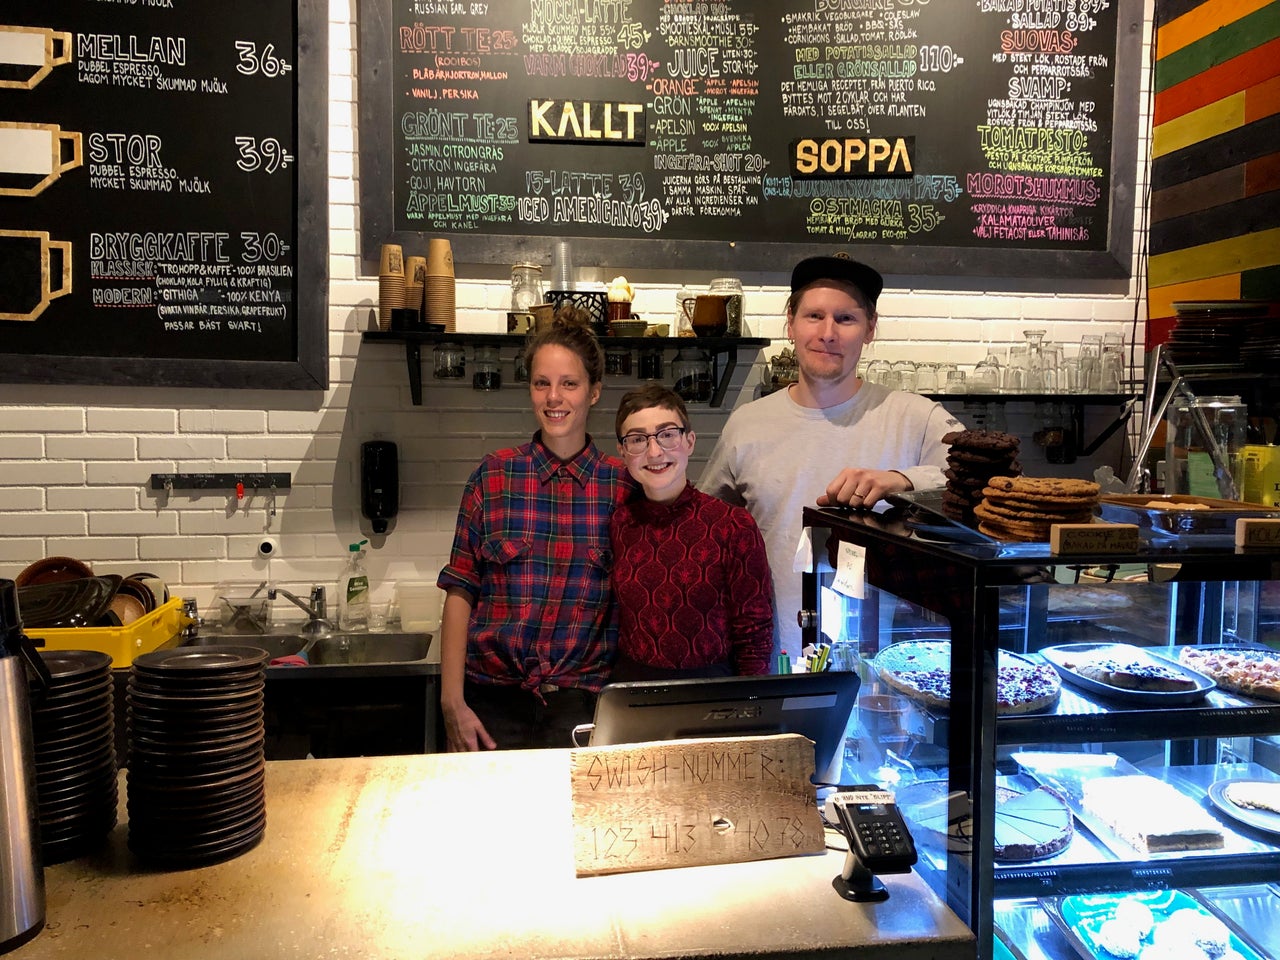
pixel 1265 820
pixel 1065 657
pixel 1110 925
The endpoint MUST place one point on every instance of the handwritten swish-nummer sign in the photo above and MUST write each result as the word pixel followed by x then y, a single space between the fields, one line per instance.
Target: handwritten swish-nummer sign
pixel 684 803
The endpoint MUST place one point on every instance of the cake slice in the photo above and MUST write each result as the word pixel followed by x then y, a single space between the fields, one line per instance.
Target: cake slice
pixel 1150 815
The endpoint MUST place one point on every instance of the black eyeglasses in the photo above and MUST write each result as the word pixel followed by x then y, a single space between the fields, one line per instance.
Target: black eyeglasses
pixel 667 439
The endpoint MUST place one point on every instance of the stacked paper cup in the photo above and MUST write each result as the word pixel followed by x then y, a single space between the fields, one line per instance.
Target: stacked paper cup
pixel 415 280
pixel 391 294
pixel 439 287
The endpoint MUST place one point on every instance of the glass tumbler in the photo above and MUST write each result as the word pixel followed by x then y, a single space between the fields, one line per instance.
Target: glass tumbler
pixel 907 372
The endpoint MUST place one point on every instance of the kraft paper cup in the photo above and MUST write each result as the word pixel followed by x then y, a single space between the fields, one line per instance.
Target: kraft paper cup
pixel 34 155
pixel 392 262
pixel 415 270
pixel 439 258
pixel 29 53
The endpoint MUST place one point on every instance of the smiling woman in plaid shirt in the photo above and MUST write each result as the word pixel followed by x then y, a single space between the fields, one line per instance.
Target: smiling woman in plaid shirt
pixel 528 630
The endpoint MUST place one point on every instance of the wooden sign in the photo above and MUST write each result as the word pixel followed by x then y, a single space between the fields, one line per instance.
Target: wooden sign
pixel 685 803
pixel 1257 533
pixel 1068 538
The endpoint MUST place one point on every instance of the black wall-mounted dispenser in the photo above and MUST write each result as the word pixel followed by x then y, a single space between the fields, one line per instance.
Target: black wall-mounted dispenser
pixel 379 482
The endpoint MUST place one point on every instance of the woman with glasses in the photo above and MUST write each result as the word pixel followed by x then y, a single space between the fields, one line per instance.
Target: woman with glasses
pixel 690 572
pixel 528 632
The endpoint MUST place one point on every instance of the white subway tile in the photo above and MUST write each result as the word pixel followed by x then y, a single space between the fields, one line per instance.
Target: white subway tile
pixel 108 522
pixel 46 524
pixel 92 498
pixel 90 448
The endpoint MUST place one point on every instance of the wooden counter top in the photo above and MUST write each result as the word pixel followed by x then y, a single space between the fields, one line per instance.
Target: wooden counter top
pixel 453 855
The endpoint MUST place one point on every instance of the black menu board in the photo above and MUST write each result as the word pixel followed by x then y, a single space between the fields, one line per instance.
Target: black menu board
pixel 163 209
pixel 932 136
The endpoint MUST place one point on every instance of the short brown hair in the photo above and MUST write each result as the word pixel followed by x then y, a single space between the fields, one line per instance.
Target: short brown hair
pixel 571 329
pixel 652 394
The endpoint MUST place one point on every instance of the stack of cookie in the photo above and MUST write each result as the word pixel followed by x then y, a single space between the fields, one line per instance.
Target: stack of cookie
pixel 1024 508
pixel 976 456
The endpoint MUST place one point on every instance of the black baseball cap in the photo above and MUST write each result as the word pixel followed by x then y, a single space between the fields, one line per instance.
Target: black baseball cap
pixel 838 267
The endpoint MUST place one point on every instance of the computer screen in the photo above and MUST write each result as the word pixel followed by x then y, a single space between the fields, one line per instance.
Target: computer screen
pixel 816 705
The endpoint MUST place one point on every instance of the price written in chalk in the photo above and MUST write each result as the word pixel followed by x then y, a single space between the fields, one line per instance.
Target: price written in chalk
pixel 267 154
pixel 262 247
pixel 265 61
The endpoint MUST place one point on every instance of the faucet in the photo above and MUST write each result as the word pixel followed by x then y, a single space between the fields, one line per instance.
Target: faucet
pixel 317 625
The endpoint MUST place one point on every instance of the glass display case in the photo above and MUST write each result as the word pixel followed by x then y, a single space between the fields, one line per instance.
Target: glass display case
pixel 1076 780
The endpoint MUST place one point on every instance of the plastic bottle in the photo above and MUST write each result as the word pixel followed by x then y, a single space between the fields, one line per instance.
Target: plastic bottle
pixel 353 591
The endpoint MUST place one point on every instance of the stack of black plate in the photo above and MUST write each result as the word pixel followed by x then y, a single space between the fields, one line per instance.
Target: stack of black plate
pixel 1211 331
pixel 196 767
pixel 73 725
pixel 1261 350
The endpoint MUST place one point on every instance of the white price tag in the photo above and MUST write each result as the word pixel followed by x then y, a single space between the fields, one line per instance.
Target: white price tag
pixel 851 568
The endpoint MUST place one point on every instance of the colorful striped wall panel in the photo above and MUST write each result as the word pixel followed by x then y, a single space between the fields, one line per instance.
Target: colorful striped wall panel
pixel 1215 174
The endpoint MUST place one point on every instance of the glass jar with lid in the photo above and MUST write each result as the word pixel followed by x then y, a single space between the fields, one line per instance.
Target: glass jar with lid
pixel 692 373
pixel 1203 438
pixel 450 361
pixel 731 289
pixel 486 374
pixel 526 286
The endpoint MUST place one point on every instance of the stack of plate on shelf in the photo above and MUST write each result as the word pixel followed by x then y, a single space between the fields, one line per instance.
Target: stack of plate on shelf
pixel 196 766
pixel 1212 331
pixel 75 755
pixel 1261 350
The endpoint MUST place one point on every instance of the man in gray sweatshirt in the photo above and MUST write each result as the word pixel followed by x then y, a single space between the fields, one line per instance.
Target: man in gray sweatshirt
pixel 829 438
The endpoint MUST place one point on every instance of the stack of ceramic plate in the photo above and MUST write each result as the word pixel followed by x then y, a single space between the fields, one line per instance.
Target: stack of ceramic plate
pixel 73 725
pixel 196 767
pixel 391 280
pixel 1261 350
pixel 438 297
pixel 1211 332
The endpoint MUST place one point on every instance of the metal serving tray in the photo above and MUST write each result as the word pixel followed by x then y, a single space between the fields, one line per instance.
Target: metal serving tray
pixel 1179 516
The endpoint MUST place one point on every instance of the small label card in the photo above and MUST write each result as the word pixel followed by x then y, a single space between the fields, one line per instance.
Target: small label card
pixel 1069 538
pixel 685 803
pixel 1257 533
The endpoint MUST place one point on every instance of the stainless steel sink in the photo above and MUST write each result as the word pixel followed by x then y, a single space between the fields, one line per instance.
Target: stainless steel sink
pixel 374 652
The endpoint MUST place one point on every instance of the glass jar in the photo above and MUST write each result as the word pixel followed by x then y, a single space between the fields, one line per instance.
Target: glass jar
pixel 617 362
pixel 651 363
pixel 731 289
pixel 526 286
pixel 1191 460
pixel 486 374
pixel 692 372
pixel 1055 431
pixel 521 366
pixel 451 361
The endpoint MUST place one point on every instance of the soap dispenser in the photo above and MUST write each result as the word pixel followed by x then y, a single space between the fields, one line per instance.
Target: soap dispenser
pixel 379 482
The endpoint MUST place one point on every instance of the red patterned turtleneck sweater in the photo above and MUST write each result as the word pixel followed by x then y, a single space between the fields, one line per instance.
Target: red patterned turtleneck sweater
pixel 692 583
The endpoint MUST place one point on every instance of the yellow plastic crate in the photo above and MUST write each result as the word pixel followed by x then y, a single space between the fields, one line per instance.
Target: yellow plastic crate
pixel 162 627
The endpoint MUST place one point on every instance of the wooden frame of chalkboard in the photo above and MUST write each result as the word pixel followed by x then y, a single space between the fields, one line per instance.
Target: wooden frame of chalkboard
pixel 766 251
pixel 305 68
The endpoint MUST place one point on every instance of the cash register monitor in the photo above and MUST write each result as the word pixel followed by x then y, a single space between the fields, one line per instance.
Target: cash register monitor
pixel 816 705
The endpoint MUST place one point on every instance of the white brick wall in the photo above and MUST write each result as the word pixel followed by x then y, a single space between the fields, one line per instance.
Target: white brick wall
pixel 75 462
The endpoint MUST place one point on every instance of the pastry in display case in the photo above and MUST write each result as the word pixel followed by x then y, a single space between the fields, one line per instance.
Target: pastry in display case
pixel 1085 748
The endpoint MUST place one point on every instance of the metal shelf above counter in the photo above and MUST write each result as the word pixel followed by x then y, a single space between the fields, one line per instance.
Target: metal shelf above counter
pixel 1076 401
pixel 723 350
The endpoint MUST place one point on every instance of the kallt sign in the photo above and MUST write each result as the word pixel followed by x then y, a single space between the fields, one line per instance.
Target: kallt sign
pixel 587 121
pixel 839 157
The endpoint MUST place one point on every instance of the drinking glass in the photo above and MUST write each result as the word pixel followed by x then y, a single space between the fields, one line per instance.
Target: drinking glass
pixel 926 378
pixel 885 738
pixel 1015 374
pixel 878 371
pixel 1090 363
pixel 906 372
pixel 986 375
pixel 956 382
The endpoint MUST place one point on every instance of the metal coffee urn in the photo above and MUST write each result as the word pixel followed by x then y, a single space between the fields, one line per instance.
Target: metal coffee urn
pixel 21 868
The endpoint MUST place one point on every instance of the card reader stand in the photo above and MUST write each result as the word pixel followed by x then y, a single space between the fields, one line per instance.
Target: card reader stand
pixel 879 842
pixel 857 883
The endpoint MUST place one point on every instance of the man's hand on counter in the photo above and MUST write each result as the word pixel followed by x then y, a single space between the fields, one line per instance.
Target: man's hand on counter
pixel 465 732
pixel 862 489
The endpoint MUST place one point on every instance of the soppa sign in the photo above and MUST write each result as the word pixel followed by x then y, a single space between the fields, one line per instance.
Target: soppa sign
pixel 853 157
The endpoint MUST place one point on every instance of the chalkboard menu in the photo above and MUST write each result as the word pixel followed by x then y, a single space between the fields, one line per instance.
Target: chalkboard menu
pixel 930 136
pixel 163 203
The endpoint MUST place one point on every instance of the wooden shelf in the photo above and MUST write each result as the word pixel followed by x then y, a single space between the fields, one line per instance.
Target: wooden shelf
pixel 723 350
